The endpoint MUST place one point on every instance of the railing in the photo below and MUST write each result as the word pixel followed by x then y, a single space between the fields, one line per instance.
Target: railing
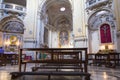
pixel 92 3
pixel 13 8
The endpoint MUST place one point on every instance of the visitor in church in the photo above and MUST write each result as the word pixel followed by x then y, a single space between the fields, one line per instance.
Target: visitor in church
pixel 1 50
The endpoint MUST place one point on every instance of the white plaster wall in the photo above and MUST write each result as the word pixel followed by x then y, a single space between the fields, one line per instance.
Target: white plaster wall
pixel 54 39
pixel 116 9
pixel 30 20
pixel 79 17
pixel 118 44
pixel 80 43
pixel 95 42
pixel 1 39
pixel 79 23
pixel 29 44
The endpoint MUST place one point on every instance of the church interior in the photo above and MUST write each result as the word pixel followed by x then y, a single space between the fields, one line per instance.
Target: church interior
pixel 59 39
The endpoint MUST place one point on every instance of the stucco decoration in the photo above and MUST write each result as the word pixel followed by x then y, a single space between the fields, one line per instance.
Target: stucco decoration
pixel 99 18
pixel 11 24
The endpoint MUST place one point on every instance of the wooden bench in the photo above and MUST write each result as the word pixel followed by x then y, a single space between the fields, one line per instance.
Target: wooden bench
pixel 73 64
pixel 57 58
pixel 110 60
pixel 57 68
pixel 113 60
pixel 9 58
pixel 91 58
pixel 52 73
pixel 2 59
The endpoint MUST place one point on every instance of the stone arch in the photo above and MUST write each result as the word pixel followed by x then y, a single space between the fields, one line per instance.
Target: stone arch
pixel 97 15
pixel 43 3
pixel 12 24
pixel 48 3
pixel 103 9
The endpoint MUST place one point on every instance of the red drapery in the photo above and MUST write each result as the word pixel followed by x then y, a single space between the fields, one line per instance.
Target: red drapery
pixel 105 33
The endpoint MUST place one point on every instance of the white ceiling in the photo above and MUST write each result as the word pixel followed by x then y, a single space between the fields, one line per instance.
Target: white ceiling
pixel 59 19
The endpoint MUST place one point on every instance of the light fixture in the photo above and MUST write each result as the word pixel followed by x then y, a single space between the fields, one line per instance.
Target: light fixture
pixel 62 9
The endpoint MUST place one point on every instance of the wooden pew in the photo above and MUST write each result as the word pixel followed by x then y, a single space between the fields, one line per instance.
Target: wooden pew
pixel 82 60
pixel 101 59
pixel 113 60
pixel 49 74
pixel 91 58
pixel 2 60
pixel 109 60
pixel 59 60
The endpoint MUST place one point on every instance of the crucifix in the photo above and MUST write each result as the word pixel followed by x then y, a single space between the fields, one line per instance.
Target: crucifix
pixel 104 28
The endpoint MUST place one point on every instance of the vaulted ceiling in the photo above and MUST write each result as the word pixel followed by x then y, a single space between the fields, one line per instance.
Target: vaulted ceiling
pixel 59 13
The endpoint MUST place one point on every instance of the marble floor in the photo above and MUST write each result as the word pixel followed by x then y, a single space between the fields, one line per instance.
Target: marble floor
pixel 97 73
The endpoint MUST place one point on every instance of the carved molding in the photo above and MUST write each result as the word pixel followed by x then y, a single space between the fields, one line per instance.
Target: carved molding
pixel 99 18
pixel 95 4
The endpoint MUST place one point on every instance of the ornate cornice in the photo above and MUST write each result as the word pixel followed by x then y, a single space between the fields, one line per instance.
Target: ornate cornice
pixel 97 5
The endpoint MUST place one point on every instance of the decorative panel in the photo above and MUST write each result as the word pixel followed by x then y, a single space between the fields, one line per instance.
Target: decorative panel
pixel 12 42
pixel 105 33
pixel 99 18
pixel 63 38
pixel 13 26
